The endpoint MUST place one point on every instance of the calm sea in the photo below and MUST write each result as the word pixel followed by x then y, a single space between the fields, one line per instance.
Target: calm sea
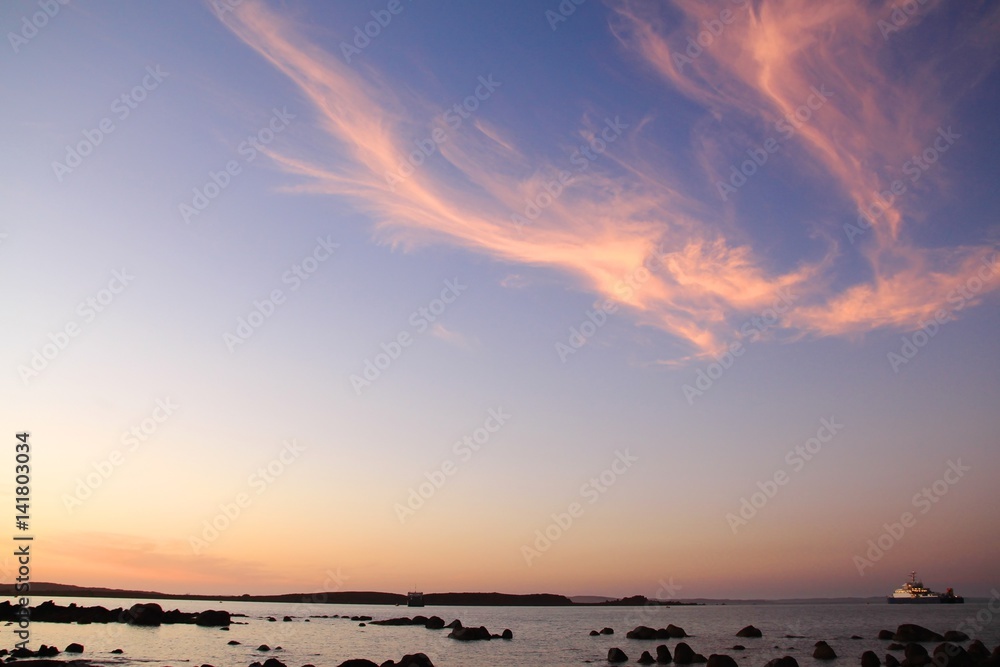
pixel 543 636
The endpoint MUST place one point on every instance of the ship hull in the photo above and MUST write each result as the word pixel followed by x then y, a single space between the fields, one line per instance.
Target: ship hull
pixel 926 600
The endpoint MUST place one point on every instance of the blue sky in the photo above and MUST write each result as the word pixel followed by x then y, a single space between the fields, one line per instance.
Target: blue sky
pixel 630 220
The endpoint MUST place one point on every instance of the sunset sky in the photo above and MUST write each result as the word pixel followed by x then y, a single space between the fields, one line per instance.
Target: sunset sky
pixel 579 297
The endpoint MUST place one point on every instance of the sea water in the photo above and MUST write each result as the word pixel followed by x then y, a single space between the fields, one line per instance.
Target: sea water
pixel 543 636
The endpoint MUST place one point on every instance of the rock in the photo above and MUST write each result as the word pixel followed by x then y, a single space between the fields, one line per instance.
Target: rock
pixel 916 655
pixel 361 625
pixel 663 655
pixel 470 634
pixel 212 618
pixel 506 634
pixel 676 632
pixel 955 636
pixel 645 659
pixel 263 647
pixel 885 634
pixel 595 633
pixel 434 623
pixel 784 661
pixel 74 648
pixel 951 655
pixel 699 658
pixel 617 655
pixel 891 660
pixel 273 662
pixel 287 619
pixel 721 660
pixel 454 624
pixel 683 655
pixel 858 637
pixel 750 631
pixel 233 642
pixel 641 632
pixel 271 619
pixel 22 652
pixel 51 651
pixel 896 646
pixel 738 647
pixel 869 659
pixel 357 662
pixel 149 614
pixel 909 632
pixel 978 651
pixel 415 660
pixel 118 651
pixel 824 651
pixel 607 631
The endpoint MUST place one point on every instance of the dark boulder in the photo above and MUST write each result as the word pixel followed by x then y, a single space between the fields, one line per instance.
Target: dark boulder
pixel 454 624
pixel 263 647
pixel 415 660
pixel 891 660
pixel 233 642
pixel 595 633
pixel 721 660
pixel 607 631
pixel 676 632
pixel 74 648
pixel 738 647
pixel 118 651
pixel 824 651
pixel 358 662
pixel 663 656
pixel 662 633
pixel 617 655
pixel 212 618
pixel 470 634
pixel 750 631
pixel 148 614
pixel 506 634
pixel 699 658
pixel 271 619
pixel 886 634
pixel 978 651
pixel 645 659
pixel 273 662
pixel 951 655
pixel 641 632
pixel 784 661
pixel 856 637
pixel 683 654
pixel 287 619
pixel 910 632
pixel 955 636
pixel 51 651
pixel 869 659
pixel 434 623
pixel 916 655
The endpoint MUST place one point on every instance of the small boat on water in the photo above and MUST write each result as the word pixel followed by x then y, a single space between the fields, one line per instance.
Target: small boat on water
pixel 414 599
pixel 914 592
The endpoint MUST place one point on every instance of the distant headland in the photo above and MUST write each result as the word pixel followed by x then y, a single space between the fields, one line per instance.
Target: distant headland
pixel 44 589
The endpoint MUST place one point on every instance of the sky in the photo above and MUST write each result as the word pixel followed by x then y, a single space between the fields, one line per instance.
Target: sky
pixel 683 299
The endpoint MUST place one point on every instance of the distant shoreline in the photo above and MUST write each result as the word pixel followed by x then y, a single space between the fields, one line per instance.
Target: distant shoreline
pixel 44 589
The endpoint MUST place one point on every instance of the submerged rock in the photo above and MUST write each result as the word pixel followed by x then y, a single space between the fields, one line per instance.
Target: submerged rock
pixel 617 655
pixel 721 660
pixel 824 651
pixel 750 631
pixel 645 659
pixel 470 634
pixel 910 632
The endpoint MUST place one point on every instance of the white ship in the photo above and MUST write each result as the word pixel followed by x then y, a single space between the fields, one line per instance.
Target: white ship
pixel 913 592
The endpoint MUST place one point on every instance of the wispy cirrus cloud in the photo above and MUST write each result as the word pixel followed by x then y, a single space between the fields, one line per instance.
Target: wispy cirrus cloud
pixel 607 224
